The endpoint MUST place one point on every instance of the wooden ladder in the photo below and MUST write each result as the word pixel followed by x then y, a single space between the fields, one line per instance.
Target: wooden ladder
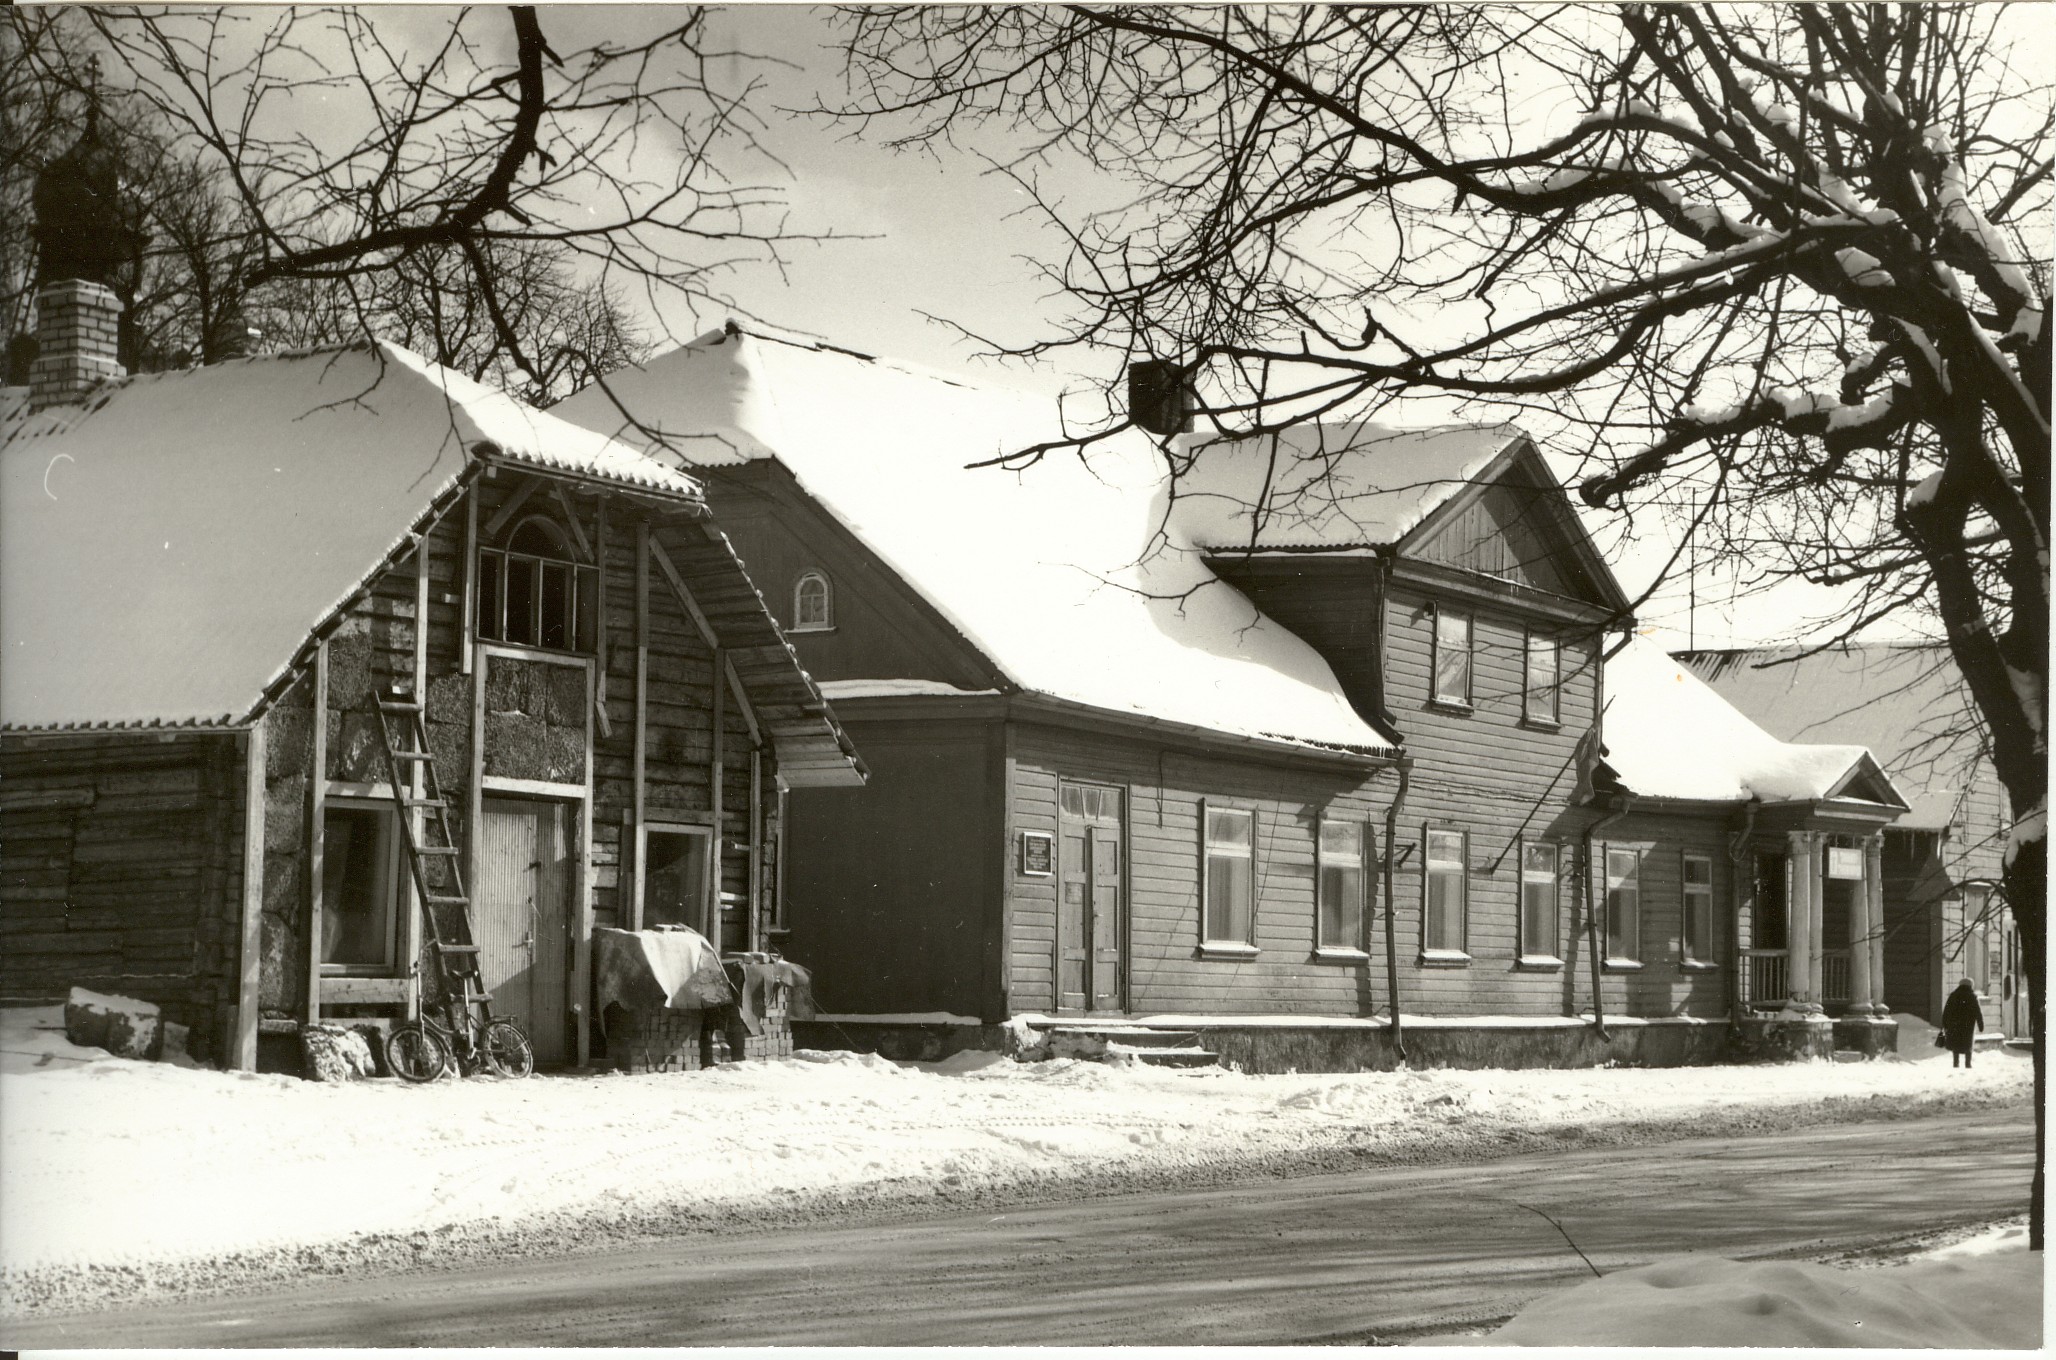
pixel 455 951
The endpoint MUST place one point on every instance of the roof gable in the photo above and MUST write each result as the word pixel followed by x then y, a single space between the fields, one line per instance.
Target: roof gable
pixel 1514 522
pixel 165 549
pixel 1056 573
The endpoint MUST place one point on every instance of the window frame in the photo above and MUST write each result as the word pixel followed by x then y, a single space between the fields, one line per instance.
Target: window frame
pixel 1324 948
pixel 1439 953
pixel 1470 659
pixel 1554 688
pixel 827 623
pixel 1687 957
pixel 1550 958
pixel 1209 943
pixel 1607 850
pixel 390 872
pixel 705 832
pixel 1977 901
pixel 581 592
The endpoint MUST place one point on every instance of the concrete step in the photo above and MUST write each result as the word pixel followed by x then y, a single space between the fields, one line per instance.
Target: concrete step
pixel 1133 1035
pixel 1164 1057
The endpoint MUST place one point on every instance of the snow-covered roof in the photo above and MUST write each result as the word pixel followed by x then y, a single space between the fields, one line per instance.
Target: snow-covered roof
pixel 1329 485
pixel 1052 573
pixel 1905 701
pixel 1668 735
pixel 166 548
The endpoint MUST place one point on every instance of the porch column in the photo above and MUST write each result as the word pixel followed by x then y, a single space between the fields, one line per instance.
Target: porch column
pixel 1862 925
pixel 1803 988
pixel 1874 891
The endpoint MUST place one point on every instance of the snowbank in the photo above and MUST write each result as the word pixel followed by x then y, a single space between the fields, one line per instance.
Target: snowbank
pixel 105 1161
pixel 1961 1302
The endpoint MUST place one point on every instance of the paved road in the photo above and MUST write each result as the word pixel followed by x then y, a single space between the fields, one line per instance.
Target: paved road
pixel 1387 1253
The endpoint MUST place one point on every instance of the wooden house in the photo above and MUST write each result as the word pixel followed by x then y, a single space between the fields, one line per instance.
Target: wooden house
pixel 1257 748
pixel 1941 919
pixel 206 575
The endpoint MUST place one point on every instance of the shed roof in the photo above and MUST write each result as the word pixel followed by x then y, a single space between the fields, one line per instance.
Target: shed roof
pixel 1904 701
pixel 1668 735
pixel 167 547
pixel 1054 574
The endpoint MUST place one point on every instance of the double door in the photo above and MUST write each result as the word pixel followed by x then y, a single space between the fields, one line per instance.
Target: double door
pixel 522 916
pixel 1091 906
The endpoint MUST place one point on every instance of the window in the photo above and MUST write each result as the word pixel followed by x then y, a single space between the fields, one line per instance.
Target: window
pixel 1230 877
pixel 359 887
pixel 1977 953
pixel 1698 941
pixel 530 591
pixel 1623 905
pixel 1452 657
pixel 812 604
pixel 1341 853
pixel 1544 677
pixel 1767 928
pixel 674 886
pixel 1442 929
pixel 1538 901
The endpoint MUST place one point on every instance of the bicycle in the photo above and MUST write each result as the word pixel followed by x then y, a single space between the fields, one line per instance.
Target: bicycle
pixel 421 1050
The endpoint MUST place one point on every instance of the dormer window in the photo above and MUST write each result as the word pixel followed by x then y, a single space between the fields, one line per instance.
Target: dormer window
pixel 813 604
pixel 533 592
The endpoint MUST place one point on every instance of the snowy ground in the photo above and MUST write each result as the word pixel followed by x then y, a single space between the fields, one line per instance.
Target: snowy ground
pixel 121 1178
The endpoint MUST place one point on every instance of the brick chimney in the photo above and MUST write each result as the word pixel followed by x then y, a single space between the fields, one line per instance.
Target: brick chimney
pixel 78 325
pixel 82 240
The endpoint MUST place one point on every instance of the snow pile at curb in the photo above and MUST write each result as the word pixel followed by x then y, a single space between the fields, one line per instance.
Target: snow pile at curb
pixel 110 1166
pixel 1992 1300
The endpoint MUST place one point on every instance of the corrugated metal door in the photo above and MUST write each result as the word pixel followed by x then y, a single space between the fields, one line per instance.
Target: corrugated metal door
pixel 523 918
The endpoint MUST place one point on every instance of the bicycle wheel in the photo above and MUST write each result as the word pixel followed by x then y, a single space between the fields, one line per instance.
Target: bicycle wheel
pixel 415 1054
pixel 507 1050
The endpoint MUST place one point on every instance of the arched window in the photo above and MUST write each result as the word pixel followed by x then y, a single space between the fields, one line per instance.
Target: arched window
pixel 533 591
pixel 813 604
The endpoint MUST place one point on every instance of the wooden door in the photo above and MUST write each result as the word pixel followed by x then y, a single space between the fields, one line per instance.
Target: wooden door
pixel 522 913
pixel 1106 918
pixel 1091 932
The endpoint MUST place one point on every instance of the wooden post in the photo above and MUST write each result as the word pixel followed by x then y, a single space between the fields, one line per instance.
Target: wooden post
pixel 600 617
pixel 714 763
pixel 417 781
pixel 317 809
pixel 250 962
pixel 469 576
pixel 582 943
pixel 1803 878
pixel 1874 942
pixel 756 890
pixel 642 710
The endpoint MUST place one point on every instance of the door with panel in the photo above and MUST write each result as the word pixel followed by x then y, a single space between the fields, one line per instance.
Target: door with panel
pixel 1091 925
pixel 523 917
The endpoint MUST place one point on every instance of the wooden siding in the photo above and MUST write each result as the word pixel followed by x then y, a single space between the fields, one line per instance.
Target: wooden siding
pixel 121 871
pixel 882 628
pixel 890 888
pixel 1664 984
pixel 1506 531
pixel 1332 603
pixel 1162 792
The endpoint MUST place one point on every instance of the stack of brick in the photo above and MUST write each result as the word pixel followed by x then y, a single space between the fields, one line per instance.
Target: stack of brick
pixel 672 1041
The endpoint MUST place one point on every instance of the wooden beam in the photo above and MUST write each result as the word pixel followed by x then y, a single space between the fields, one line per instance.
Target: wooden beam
pixel 600 622
pixel 317 810
pixel 755 919
pixel 642 712
pixel 571 522
pixel 692 606
pixel 582 939
pixel 715 761
pixel 509 506
pixel 249 964
pixel 742 702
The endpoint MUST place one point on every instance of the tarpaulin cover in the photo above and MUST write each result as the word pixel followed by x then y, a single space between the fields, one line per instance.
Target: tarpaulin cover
pixel 658 970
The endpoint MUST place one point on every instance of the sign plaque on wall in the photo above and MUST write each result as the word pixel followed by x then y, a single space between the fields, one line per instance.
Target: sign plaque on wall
pixel 1038 854
pixel 1844 862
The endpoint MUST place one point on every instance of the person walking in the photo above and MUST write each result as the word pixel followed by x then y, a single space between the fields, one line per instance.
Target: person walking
pixel 1962 1017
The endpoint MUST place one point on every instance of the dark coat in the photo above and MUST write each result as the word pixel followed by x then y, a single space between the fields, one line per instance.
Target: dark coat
pixel 1962 1017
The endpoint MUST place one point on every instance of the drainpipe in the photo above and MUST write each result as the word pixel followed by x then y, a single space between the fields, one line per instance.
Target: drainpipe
pixel 1738 852
pixel 1618 807
pixel 1391 907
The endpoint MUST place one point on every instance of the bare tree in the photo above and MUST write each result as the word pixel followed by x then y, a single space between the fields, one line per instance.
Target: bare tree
pixel 457 175
pixel 1782 269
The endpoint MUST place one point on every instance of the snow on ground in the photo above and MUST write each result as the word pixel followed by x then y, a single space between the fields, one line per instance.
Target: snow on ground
pixel 138 1166
pixel 1981 1291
